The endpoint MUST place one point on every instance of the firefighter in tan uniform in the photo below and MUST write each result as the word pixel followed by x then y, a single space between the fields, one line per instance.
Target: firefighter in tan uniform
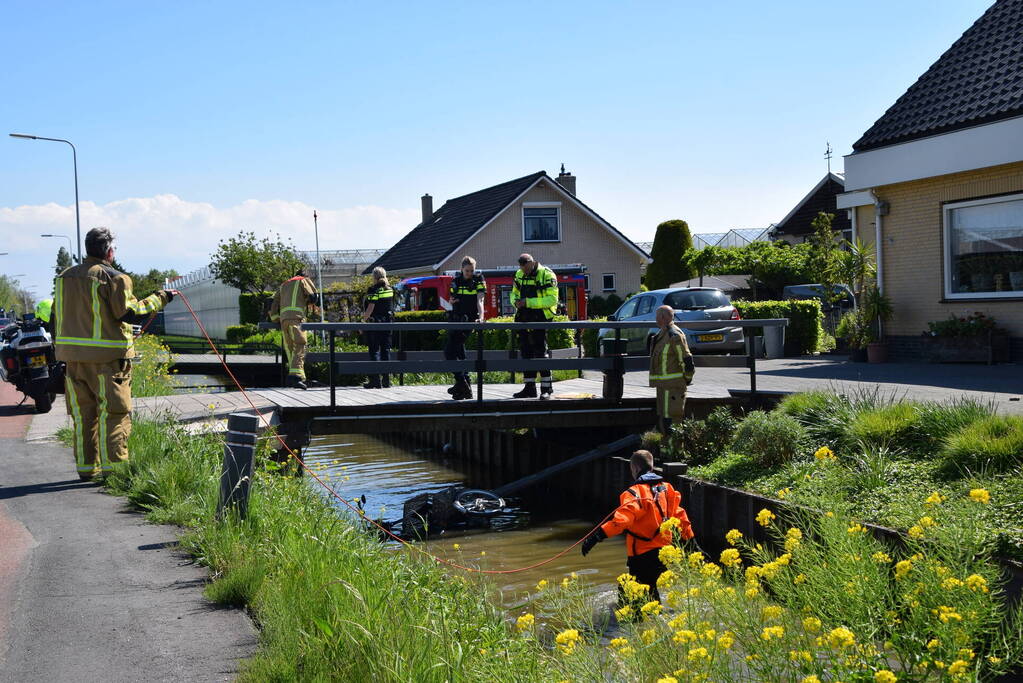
pixel 289 307
pixel 94 310
pixel 671 368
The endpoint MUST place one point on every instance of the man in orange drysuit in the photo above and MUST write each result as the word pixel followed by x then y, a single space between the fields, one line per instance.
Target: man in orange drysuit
pixel 647 503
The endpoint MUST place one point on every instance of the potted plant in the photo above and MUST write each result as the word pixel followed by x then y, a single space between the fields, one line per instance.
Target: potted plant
pixel 854 327
pixel 973 338
pixel 879 311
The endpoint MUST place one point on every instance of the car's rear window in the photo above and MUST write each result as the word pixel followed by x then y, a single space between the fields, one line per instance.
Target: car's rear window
pixel 698 299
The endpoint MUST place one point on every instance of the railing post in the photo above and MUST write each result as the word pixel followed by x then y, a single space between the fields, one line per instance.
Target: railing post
pixel 619 364
pixel 512 355
pixel 330 373
pixel 401 356
pixel 480 363
pixel 751 360
pixel 236 470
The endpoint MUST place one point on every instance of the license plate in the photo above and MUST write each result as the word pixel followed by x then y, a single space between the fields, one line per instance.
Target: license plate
pixel 710 337
pixel 37 361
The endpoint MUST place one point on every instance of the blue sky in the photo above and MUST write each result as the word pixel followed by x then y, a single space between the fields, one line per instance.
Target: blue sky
pixel 194 120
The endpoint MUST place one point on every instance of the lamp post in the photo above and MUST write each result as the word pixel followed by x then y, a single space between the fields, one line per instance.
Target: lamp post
pixel 69 248
pixel 74 159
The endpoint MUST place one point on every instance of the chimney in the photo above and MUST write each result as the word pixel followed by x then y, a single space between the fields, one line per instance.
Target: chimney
pixel 427 207
pixel 566 180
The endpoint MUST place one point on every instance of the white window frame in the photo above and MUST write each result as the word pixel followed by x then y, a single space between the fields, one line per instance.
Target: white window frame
pixel 946 217
pixel 603 282
pixel 540 205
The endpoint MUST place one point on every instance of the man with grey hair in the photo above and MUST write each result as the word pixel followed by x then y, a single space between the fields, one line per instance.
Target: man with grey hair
pixel 671 368
pixel 94 309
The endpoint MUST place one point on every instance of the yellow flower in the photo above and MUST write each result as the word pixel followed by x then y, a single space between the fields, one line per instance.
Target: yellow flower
pixel 618 643
pixel 951 583
pixel 212 406
pixel 841 637
pixel 881 558
pixel 885 676
pixel 635 591
pixel 525 622
pixel 799 579
pixel 782 493
pixel 648 636
pixel 678 622
pixel 726 640
pixel 695 560
pixel 825 454
pixel 927 522
pixel 800 655
pixel 856 528
pixel 946 614
pixel 733 536
pixel 698 653
pixel 684 636
pixel 730 557
pixel 709 634
pixel 976 582
pixel 829 513
pixel 994 660
pixel 772 632
pixel 483 553
pixel 711 570
pixel 980 496
pixel 624 613
pixel 902 567
pixel 652 607
pixel 752 592
pixel 753 573
pixel 765 517
pixel 667 679
pixel 959 666
pixel 967 653
pixel 669 524
pixel 933 644
pixel 541 584
pixel 772 612
pixel 456 546
pixel 794 532
pixel 916 531
pixel 669 555
pixel 566 640
pixel 791 544
pixel 934 499
pixel 810 679
pixel 624 579
pixel 666 579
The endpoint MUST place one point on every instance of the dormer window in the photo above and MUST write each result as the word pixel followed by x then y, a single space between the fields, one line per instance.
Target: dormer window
pixel 541 222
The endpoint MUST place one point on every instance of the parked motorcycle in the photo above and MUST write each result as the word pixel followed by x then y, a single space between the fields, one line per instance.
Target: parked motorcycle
pixel 28 361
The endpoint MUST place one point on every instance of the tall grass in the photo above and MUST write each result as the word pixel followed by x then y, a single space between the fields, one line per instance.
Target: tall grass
pixel 994 443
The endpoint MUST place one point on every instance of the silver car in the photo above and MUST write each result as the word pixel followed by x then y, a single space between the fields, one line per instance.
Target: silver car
pixel 690 304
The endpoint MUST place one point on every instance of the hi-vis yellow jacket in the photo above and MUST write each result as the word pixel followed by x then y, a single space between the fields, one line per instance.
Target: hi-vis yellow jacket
pixel 94 309
pixel 292 299
pixel 671 362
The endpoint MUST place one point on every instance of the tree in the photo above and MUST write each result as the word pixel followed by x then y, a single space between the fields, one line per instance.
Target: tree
pixel 254 265
pixel 671 242
pixel 702 260
pixel 856 266
pixel 63 261
pixel 823 263
pixel 13 295
pixel 153 281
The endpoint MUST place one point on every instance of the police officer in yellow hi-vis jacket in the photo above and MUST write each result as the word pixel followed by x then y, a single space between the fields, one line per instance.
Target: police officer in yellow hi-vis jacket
pixel 671 368
pixel 94 310
pixel 289 307
pixel 535 298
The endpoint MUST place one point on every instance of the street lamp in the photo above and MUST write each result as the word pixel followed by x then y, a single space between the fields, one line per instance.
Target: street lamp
pixel 69 249
pixel 74 159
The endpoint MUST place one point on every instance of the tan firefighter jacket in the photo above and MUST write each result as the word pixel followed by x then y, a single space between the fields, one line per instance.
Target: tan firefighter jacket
pixel 671 362
pixel 94 310
pixel 292 299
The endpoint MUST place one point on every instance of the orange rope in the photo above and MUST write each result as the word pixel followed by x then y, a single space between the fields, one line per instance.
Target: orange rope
pixel 354 509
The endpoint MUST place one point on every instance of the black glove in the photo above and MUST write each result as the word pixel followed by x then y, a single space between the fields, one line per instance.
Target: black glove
pixel 592 540
pixel 167 294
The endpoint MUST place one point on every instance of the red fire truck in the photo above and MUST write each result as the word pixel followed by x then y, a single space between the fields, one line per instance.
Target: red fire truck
pixel 426 293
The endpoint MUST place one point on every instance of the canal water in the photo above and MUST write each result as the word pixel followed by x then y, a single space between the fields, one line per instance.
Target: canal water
pixel 388 474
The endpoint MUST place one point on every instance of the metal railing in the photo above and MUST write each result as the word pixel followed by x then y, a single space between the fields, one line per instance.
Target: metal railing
pixel 507 361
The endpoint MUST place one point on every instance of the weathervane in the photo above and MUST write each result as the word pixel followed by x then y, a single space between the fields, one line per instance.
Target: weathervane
pixel 827 155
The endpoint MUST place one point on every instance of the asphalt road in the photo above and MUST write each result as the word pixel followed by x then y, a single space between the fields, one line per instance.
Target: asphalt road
pixel 89 591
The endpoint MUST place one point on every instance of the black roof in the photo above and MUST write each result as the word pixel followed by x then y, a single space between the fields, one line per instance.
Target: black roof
pixel 821 198
pixel 431 242
pixel 978 80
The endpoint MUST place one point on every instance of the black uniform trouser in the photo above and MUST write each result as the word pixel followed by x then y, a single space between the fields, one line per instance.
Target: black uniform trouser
pixel 379 349
pixel 455 350
pixel 533 344
pixel 647 568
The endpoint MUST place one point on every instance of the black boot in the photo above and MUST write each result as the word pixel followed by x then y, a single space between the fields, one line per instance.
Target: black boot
pixel 387 382
pixel 462 391
pixel 296 382
pixel 528 391
pixel 373 382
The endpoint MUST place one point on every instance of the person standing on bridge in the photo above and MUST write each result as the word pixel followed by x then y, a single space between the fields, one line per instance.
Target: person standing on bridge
pixel 535 297
pixel 379 309
pixel 644 506
pixel 466 297
pixel 94 311
pixel 671 368
pixel 289 306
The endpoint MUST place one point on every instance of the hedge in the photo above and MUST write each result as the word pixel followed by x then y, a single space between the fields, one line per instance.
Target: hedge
pixel 236 334
pixel 249 309
pixel 590 346
pixel 805 331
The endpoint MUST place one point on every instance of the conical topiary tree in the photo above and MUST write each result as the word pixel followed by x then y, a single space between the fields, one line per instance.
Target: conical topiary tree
pixel 671 242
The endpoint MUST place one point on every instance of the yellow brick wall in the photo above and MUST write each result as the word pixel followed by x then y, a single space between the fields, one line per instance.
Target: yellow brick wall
pixel 583 240
pixel 912 247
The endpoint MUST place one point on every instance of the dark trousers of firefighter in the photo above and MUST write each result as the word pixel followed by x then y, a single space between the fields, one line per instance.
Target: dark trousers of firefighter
pixel 294 346
pixel 647 567
pixel 455 350
pixel 533 344
pixel 98 399
pixel 379 349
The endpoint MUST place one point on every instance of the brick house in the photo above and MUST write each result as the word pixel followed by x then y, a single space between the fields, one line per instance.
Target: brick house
pixel 535 214
pixel 937 185
pixel 797 225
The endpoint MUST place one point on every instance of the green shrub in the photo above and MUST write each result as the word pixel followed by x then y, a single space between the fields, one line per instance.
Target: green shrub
pixel 591 347
pixel 427 340
pixel 824 414
pixel 994 443
pixel 771 439
pixel 805 331
pixel 701 441
pixel 236 334
pixel 250 307
pixel 891 426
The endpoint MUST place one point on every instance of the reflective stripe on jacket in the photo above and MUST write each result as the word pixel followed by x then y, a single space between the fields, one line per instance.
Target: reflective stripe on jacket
pixel 382 298
pixel 94 306
pixel 668 355
pixel 539 290
pixel 464 295
pixel 643 507
pixel 292 299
